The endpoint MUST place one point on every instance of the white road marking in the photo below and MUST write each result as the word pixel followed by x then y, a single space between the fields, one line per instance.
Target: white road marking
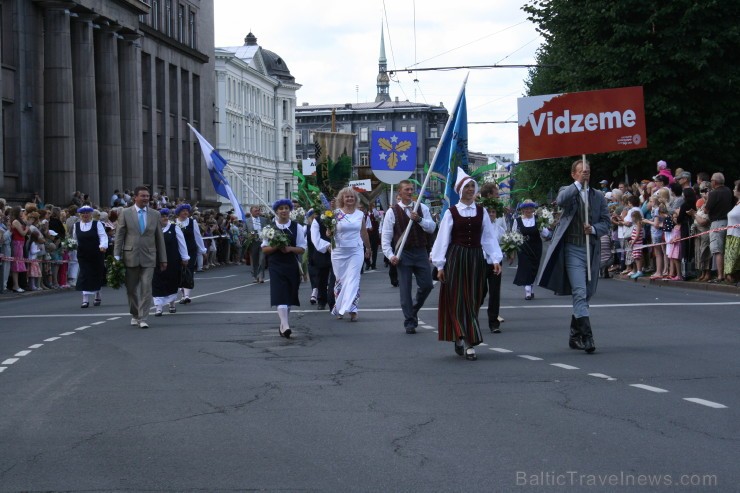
pixel 113 318
pixel 421 322
pixel 648 387
pixel 51 339
pixel 3 368
pixel 66 333
pixel 97 323
pixel 83 327
pixel 500 350
pixel 564 366
pixel 22 353
pixel 427 326
pixel 696 400
pixel 530 358
pixel 9 361
pixel 35 346
pixel 601 375
pixel 483 344
pixel 209 278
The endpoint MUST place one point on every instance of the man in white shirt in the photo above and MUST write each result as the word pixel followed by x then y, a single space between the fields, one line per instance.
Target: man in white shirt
pixel 414 259
pixel 254 225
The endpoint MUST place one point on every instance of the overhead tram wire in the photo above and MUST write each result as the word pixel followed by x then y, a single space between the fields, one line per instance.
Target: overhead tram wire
pixel 390 42
pixel 469 67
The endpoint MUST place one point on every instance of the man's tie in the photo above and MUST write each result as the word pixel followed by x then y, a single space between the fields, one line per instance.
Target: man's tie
pixel 142 221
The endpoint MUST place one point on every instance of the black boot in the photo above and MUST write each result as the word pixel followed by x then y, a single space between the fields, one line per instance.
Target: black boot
pixel 575 334
pixel 586 335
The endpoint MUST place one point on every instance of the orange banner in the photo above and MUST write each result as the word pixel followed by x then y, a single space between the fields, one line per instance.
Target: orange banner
pixel 570 124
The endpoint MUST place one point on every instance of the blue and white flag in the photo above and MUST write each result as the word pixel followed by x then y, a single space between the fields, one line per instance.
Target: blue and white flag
pixel 453 151
pixel 392 155
pixel 216 163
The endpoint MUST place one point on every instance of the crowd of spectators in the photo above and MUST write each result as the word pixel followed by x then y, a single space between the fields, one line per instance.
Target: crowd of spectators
pixel 36 236
pixel 675 226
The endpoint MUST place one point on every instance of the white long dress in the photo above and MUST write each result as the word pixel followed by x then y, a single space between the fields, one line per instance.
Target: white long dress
pixel 346 259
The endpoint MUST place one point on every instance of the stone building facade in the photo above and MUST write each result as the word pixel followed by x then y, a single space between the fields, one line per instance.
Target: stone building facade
pixel 96 95
pixel 255 114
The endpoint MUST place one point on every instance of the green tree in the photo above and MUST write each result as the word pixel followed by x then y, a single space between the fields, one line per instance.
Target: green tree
pixel 685 54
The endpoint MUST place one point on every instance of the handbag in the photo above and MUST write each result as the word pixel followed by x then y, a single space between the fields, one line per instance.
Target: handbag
pixel 186 278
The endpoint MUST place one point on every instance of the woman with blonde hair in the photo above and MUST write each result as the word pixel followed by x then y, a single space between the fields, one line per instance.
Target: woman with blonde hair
pixel 347 255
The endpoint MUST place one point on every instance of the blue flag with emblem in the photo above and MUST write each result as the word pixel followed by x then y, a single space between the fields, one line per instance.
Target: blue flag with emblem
pixel 216 164
pixel 453 151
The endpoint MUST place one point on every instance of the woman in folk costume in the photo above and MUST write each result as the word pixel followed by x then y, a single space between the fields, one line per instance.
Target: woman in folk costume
pixel 285 272
pixel 465 246
pixel 166 283
pixel 193 240
pixel 530 252
pixel 347 255
pixel 92 243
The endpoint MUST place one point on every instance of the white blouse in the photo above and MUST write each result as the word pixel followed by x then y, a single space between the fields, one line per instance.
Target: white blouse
pixel 198 238
pixel 489 240
pixel 85 227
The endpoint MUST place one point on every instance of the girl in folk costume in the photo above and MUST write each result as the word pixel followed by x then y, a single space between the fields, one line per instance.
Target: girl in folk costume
pixel 165 284
pixel 347 254
pixel 285 273
pixel 530 252
pixel 465 246
pixel 92 242
pixel 193 241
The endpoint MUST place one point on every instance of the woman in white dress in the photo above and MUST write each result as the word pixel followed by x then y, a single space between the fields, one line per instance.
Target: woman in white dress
pixel 347 255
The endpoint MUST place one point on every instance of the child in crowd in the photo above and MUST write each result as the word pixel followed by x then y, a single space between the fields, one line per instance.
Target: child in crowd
pixel 660 212
pixel 35 253
pixel 672 232
pixel 636 241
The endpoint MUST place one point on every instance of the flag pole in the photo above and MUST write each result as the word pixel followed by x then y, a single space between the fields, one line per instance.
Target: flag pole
pixel 445 132
pixel 584 167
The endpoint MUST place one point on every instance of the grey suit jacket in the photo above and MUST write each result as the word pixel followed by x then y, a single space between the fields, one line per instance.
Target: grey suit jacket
pixel 139 249
pixel 250 226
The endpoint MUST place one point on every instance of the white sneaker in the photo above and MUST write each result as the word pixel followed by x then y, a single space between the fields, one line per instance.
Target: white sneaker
pixel 143 325
pixel 134 321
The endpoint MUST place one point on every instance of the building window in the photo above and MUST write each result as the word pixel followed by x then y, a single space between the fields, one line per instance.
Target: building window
pixel 432 151
pixel 155 14
pixel 168 14
pixel 433 133
pixel 381 128
pixel 412 128
pixel 299 137
pixel 364 159
pixel 404 128
pixel 363 134
pixel 181 23
pixel 311 137
pixel 191 31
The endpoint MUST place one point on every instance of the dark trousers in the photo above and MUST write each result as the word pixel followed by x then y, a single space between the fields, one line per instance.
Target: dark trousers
pixel 414 262
pixel 325 292
pixel 374 242
pixel 257 259
pixel 493 288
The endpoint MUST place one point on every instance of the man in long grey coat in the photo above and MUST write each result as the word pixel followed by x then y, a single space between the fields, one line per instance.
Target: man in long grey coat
pixel 564 270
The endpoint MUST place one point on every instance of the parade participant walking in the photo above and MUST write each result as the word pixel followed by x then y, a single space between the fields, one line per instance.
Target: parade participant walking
pixel 139 241
pixel 565 268
pixel 254 226
pixel 462 252
pixel 493 280
pixel 347 255
pixel 373 234
pixel 530 252
pixel 320 251
pixel 414 260
pixel 285 273
pixel 92 243
pixel 194 242
pixel 165 283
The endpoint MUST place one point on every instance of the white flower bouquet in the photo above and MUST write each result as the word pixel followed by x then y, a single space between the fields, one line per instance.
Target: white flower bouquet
pixel 511 242
pixel 298 215
pixel 275 238
pixel 69 244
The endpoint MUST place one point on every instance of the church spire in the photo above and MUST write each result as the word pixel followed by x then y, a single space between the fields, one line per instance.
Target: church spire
pixel 383 81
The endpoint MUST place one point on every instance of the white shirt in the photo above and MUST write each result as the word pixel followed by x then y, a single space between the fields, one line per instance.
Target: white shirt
pixel 389 221
pixel 256 224
pixel 318 242
pixel 300 240
pixel 182 247
pixel 489 240
pixel 85 227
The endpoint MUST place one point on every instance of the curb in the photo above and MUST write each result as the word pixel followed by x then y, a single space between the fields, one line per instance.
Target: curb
pixel 691 284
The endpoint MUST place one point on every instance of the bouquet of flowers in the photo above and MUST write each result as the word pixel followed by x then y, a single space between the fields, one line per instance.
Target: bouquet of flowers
pixel 248 239
pixel 275 238
pixel 298 215
pixel 545 218
pixel 329 221
pixel 115 272
pixel 492 203
pixel 69 244
pixel 511 242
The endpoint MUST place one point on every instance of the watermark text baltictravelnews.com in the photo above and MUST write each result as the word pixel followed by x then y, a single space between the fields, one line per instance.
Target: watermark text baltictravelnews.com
pixel 579 478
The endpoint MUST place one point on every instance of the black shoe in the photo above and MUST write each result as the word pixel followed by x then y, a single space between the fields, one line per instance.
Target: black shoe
pixel 529 297
pixel 85 305
pixel 410 330
pixel 285 334
pixel 173 309
pixel 574 341
pixel 470 354
pixel 394 284
pixel 459 349
pixel 158 313
pixel 495 326
pixel 97 302
pixel 586 334
pixel 321 307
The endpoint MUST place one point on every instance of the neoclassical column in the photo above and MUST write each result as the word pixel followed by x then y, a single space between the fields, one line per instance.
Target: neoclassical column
pixel 86 122
pixel 129 66
pixel 59 129
pixel 107 89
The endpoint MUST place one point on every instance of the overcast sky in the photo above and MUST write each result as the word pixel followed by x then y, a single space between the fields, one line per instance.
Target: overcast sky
pixel 332 46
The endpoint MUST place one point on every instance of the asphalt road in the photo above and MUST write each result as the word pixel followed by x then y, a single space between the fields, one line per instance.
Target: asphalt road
pixel 212 399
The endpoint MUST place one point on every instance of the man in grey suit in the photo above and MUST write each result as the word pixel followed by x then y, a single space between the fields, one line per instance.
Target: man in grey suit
pixel 254 225
pixel 139 237
pixel 564 270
